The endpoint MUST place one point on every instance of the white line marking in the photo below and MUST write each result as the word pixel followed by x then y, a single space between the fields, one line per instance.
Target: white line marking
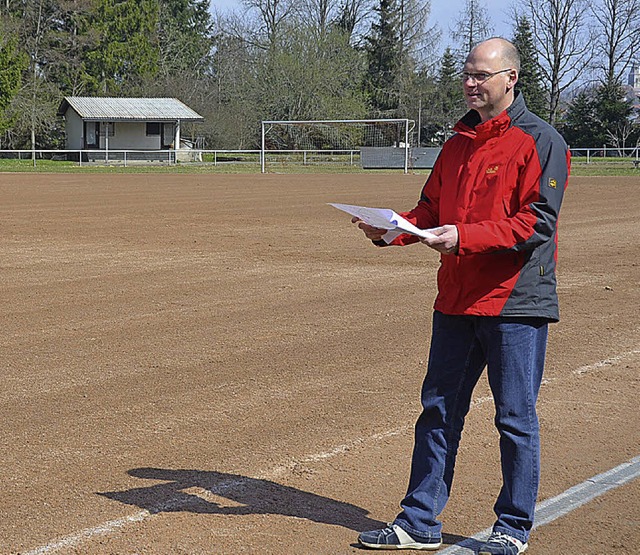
pixel 551 509
pixel 75 539
pixel 339 450
pixel 606 362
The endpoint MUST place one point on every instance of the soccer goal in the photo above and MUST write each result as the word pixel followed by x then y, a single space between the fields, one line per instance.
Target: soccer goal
pixel 375 143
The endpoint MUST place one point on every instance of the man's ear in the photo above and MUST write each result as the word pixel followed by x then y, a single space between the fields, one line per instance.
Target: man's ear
pixel 513 79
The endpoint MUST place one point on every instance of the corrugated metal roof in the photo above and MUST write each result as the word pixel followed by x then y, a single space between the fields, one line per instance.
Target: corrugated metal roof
pixel 119 109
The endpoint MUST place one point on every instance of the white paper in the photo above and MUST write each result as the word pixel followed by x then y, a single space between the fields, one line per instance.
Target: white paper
pixel 384 218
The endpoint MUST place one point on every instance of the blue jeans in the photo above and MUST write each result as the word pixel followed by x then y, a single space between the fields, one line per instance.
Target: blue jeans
pixel 513 350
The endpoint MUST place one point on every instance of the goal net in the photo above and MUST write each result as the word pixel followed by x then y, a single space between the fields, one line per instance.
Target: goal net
pixel 382 143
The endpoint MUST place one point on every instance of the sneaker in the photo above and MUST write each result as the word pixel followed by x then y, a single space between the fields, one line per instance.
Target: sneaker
pixel 394 537
pixel 502 544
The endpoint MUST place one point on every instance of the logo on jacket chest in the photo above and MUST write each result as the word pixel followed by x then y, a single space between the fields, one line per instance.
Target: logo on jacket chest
pixel 492 169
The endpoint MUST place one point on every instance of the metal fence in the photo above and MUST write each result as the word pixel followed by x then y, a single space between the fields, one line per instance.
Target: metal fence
pixel 622 157
pixel 605 153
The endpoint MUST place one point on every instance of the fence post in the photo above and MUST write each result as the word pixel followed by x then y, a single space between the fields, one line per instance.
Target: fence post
pixel 262 153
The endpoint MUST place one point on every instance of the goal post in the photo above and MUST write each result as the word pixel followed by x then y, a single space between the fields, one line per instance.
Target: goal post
pixel 374 143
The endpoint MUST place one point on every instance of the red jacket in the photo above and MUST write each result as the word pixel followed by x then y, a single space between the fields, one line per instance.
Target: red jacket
pixel 501 183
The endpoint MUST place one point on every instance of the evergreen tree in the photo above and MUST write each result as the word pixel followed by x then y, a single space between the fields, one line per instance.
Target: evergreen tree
pixel 579 125
pixel 442 101
pixel 383 56
pixel 530 79
pixel 127 50
pixel 184 35
pixel 70 39
pixel 613 116
pixel 451 100
pixel 598 117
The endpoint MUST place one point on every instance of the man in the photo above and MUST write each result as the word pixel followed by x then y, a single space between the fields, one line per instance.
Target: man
pixel 492 202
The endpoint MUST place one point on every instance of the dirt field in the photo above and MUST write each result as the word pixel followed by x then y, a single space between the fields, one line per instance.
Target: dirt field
pixel 222 364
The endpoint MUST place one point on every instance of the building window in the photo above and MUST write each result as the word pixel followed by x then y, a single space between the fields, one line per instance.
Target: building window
pixel 153 128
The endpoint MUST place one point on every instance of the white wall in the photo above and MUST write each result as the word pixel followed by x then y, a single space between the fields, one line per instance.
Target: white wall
pixel 130 135
pixel 74 128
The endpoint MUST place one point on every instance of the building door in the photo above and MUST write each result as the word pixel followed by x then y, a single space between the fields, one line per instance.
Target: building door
pixel 91 134
pixel 168 135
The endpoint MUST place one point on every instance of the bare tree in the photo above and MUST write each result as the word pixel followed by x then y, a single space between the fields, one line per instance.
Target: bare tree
pixel 471 27
pixel 273 14
pixel 618 37
pixel 418 39
pixel 564 41
pixel 319 13
pixel 352 14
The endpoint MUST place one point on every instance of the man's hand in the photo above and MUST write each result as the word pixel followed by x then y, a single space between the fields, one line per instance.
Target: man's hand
pixel 446 241
pixel 373 233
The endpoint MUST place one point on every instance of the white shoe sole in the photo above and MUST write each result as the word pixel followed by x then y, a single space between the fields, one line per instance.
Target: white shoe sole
pixel 407 542
pixel 418 546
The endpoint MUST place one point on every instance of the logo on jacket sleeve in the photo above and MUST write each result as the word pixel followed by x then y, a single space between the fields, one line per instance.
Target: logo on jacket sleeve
pixel 553 183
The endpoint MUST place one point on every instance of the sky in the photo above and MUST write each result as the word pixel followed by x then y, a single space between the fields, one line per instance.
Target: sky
pixel 443 12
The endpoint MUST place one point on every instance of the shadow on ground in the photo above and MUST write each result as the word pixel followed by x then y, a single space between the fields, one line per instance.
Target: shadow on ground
pixel 208 492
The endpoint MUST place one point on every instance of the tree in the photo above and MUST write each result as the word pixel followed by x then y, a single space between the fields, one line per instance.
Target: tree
pixel 69 40
pixel 449 98
pixel 319 14
pixel 306 79
pixel 471 27
pixel 564 44
pixel 618 37
pixel 350 14
pixel 417 42
pixel 184 37
pixel 33 102
pixel 12 64
pixel 579 125
pixel 304 74
pixel 383 49
pixel 127 50
pixel 613 116
pixel 273 15
pixel 232 110
pixel 600 116
pixel 530 80
pixel 417 39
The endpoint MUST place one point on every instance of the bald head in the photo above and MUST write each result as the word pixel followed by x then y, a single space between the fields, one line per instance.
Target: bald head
pixel 489 77
pixel 499 50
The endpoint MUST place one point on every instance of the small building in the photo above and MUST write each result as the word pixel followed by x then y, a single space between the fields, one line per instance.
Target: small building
pixel 634 78
pixel 125 123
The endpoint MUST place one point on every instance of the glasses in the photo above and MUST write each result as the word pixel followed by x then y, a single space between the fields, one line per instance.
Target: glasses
pixel 479 78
